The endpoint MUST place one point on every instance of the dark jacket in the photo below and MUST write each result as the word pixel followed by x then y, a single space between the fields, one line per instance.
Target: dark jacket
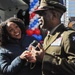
pixel 59 58
pixel 11 64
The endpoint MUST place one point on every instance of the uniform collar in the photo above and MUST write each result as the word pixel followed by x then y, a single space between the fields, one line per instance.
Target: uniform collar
pixel 54 29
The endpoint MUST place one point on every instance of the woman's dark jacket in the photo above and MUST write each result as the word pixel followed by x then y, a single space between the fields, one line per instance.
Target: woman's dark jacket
pixel 11 64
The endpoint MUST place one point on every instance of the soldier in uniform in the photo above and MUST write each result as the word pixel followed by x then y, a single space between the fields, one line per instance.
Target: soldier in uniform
pixel 58 51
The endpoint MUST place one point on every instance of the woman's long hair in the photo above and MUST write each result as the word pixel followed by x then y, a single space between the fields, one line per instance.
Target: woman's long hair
pixel 5 36
pixel 0 34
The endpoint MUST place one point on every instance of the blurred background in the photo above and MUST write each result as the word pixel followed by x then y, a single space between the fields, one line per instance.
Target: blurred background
pixel 9 8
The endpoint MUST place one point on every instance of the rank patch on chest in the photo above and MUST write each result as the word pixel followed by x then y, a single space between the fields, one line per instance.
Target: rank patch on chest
pixel 57 42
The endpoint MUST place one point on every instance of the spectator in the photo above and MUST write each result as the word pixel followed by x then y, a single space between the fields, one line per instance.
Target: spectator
pixel 15 42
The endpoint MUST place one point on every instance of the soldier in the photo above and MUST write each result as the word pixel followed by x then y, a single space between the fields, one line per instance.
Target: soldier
pixel 58 52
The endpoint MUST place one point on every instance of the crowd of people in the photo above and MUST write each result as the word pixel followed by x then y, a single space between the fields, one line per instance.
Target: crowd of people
pixel 56 56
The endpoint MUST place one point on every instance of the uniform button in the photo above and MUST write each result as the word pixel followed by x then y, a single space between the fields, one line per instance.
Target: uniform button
pixel 53 53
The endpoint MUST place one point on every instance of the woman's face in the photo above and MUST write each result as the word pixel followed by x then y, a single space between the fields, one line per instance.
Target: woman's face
pixel 13 30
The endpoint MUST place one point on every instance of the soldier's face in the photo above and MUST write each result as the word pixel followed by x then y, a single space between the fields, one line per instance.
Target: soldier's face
pixel 47 19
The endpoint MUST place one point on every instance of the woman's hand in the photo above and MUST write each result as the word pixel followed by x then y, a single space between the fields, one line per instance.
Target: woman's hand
pixel 31 57
pixel 31 54
pixel 23 55
pixel 27 55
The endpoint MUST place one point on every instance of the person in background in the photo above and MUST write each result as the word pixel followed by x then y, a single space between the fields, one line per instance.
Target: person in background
pixel 58 51
pixel 71 25
pixel 16 42
pixel 0 35
pixel 24 16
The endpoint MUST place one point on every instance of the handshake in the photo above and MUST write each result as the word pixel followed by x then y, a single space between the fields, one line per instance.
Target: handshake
pixel 34 51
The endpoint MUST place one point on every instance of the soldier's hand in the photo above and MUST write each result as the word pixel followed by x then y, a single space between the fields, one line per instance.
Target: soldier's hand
pixel 39 54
